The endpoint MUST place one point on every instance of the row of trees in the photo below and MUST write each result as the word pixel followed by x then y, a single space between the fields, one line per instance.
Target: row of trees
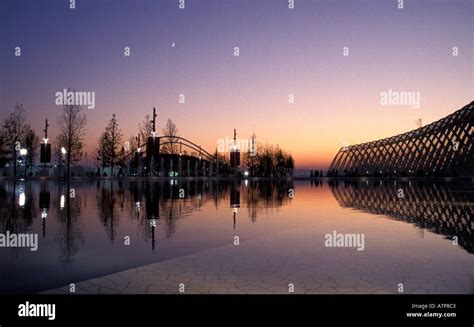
pixel 269 161
pixel 16 134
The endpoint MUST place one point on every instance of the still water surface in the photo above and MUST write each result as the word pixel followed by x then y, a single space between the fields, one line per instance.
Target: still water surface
pixel 83 227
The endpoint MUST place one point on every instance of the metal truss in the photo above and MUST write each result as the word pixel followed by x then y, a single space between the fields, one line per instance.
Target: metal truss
pixel 442 148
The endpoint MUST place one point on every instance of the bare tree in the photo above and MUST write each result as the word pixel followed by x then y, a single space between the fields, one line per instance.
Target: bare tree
pixel 14 133
pixel 110 143
pixel 71 125
pixel 101 155
pixel 144 129
pixel 170 131
pixel 133 143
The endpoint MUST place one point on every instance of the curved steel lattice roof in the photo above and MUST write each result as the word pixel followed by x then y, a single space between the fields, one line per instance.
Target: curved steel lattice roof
pixel 442 148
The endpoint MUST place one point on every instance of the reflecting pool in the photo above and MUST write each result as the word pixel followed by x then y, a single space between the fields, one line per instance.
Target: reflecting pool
pixel 266 234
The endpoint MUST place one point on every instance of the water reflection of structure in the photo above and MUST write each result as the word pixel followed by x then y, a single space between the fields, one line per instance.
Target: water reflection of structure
pixel 166 202
pixel 443 208
pixel 18 211
pixel 152 204
pixel 161 204
pixel 262 196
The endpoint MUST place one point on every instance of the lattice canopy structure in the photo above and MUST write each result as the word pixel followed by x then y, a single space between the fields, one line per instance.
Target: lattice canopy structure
pixel 442 148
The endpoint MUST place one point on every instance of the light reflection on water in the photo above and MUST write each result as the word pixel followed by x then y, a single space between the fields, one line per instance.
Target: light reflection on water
pixel 82 226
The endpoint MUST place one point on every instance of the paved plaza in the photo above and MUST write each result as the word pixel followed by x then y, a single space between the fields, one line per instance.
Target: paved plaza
pixel 263 266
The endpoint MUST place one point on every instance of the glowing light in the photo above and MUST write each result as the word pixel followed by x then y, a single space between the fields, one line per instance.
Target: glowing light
pixel 22 199
pixel 44 213
pixel 137 206
pixel 62 202
pixel 63 150
pixel 23 152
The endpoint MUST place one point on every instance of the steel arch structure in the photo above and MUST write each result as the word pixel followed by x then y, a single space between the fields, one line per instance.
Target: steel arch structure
pixel 179 141
pixel 148 158
pixel 442 148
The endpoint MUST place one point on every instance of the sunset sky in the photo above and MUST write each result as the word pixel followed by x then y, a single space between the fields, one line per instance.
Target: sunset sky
pixel 282 51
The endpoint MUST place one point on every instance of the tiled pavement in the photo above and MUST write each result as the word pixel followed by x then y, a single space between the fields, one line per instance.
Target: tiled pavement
pixel 265 266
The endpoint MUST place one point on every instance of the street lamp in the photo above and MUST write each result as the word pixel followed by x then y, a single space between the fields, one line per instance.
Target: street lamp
pixel 63 152
pixel 139 159
pixel 22 199
pixel 23 153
